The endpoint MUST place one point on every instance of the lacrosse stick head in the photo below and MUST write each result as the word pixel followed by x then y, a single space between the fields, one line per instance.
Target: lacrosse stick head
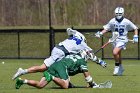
pixel 107 84
pixel 115 35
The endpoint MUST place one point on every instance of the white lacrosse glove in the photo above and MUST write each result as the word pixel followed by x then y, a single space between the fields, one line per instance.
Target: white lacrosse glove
pixel 98 34
pixel 135 38
pixel 102 63
pixel 93 85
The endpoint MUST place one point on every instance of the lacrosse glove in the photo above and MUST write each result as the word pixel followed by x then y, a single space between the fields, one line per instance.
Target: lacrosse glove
pixel 92 85
pixel 102 63
pixel 98 34
pixel 135 38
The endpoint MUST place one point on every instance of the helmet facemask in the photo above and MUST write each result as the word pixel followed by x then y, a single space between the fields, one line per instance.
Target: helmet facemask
pixel 119 14
pixel 80 37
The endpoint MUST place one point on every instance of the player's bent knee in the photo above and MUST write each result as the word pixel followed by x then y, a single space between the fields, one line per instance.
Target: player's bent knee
pixel 40 87
pixel 115 53
pixel 64 86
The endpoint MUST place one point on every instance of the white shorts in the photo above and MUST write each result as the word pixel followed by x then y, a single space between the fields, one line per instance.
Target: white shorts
pixel 56 55
pixel 120 44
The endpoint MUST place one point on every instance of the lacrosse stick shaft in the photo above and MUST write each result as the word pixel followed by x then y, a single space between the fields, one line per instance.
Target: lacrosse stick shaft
pixel 114 37
pixel 130 40
pixel 102 47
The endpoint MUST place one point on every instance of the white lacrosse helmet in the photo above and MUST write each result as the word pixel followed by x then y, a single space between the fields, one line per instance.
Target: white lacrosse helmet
pixel 119 12
pixel 70 31
pixel 76 34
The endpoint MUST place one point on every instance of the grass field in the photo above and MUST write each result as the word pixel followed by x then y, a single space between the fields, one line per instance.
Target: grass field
pixel 128 83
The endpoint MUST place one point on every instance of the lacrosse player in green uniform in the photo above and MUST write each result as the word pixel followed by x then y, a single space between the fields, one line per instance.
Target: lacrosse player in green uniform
pixel 59 72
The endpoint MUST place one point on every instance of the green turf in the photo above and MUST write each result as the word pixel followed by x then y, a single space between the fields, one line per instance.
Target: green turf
pixel 128 83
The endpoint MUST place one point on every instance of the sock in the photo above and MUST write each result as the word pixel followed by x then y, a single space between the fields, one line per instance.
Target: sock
pixel 117 64
pixel 53 77
pixel 25 71
pixel 25 81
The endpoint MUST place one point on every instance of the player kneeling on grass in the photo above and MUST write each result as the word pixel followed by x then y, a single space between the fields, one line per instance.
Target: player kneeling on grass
pixel 59 72
pixel 72 45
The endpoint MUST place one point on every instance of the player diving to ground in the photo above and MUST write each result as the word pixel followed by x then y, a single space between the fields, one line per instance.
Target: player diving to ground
pixel 71 45
pixel 122 26
pixel 60 72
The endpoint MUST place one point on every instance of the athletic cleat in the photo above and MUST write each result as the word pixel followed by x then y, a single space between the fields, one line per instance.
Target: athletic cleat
pixel 18 73
pixel 121 70
pixel 19 82
pixel 116 71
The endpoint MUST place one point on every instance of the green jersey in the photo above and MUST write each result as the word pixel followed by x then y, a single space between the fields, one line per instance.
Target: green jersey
pixel 75 64
pixel 68 66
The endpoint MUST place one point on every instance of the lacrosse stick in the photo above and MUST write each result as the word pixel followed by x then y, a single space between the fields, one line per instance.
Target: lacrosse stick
pixel 107 84
pixel 131 40
pixel 114 37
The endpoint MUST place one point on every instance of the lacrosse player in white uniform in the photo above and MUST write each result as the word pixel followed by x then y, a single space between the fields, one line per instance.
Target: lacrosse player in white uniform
pixel 122 26
pixel 73 45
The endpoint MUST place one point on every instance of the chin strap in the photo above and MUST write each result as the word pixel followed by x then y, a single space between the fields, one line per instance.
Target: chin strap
pixel 119 20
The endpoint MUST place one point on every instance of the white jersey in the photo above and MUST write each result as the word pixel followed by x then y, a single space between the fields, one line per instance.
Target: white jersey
pixel 122 27
pixel 74 45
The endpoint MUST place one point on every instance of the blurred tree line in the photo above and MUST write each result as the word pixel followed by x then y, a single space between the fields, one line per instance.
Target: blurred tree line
pixel 64 12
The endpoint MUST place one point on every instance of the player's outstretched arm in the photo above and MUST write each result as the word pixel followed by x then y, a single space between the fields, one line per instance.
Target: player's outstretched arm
pixel 100 33
pixel 97 60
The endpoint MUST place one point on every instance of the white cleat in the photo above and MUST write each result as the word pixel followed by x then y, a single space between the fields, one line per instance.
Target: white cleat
pixel 18 73
pixel 121 70
pixel 116 71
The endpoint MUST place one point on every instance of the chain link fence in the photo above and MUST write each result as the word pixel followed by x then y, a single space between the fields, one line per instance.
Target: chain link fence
pixel 34 43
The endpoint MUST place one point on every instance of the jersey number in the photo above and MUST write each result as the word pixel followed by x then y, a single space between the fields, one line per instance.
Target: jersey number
pixel 73 57
pixel 78 41
pixel 120 30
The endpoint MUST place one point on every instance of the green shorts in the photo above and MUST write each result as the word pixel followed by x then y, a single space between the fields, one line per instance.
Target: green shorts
pixel 58 70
